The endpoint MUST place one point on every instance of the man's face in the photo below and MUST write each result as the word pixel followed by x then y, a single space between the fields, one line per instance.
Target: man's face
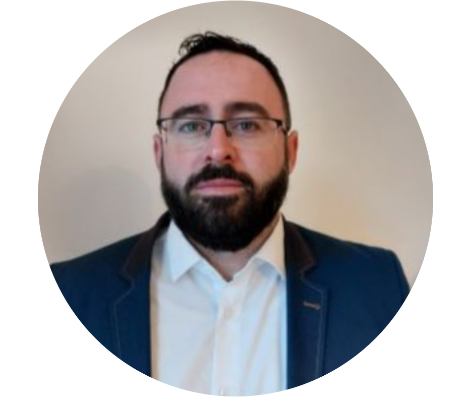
pixel 220 195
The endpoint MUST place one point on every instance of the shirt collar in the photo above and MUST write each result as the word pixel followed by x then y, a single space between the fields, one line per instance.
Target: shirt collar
pixel 272 251
pixel 180 256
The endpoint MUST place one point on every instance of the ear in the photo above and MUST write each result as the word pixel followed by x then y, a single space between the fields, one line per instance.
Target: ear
pixel 292 143
pixel 158 150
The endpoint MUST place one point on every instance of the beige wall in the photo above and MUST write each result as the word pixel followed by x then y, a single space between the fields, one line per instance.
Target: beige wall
pixel 363 171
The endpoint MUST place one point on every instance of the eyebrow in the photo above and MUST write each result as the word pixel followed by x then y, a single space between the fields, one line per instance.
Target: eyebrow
pixel 231 108
pixel 197 109
pixel 241 106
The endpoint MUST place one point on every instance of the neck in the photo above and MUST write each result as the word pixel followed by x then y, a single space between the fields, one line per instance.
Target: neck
pixel 228 263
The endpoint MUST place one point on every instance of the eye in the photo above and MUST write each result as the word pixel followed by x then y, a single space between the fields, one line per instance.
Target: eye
pixel 191 126
pixel 246 126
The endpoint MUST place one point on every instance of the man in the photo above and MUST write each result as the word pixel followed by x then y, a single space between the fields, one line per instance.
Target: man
pixel 224 296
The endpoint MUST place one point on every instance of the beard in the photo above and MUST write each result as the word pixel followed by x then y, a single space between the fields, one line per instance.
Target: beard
pixel 224 223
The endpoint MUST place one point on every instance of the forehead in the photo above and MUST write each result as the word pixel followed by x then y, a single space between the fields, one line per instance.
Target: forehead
pixel 217 79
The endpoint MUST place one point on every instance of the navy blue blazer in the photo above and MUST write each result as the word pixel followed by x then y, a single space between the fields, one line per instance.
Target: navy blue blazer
pixel 340 296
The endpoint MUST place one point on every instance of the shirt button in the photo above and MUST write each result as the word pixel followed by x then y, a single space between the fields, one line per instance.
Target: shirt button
pixel 228 313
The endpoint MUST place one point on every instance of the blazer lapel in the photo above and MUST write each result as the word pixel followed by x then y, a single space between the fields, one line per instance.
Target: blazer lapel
pixel 307 308
pixel 132 324
pixel 131 311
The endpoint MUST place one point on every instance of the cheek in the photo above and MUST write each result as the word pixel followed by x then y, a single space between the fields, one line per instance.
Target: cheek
pixel 178 167
pixel 263 165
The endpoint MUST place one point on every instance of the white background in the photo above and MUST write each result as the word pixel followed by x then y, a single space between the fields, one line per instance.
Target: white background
pixel 47 45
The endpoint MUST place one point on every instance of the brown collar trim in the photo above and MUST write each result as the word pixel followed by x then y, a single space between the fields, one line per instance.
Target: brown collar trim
pixel 140 256
pixel 298 253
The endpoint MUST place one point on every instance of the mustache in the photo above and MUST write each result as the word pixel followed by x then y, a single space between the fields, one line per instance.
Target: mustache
pixel 210 172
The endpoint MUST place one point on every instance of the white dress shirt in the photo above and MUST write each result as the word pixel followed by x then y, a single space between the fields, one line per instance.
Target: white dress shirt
pixel 217 337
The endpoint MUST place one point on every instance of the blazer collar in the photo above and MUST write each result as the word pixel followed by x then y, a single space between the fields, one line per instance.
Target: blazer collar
pixel 298 253
pixel 140 257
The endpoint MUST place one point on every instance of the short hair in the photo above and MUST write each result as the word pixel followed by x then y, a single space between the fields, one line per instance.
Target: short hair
pixel 197 44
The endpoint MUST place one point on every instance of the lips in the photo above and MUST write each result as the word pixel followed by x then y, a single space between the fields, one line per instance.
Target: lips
pixel 219 186
pixel 222 182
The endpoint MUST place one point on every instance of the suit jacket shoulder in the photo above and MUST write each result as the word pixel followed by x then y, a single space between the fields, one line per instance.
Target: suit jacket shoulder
pixel 345 264
pixel 108 290
pixel 94 271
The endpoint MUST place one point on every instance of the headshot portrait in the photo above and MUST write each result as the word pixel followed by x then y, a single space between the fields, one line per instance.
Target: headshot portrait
pixel 235 199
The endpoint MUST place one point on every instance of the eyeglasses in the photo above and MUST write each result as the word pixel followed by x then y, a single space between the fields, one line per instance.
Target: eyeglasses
pixel 193 133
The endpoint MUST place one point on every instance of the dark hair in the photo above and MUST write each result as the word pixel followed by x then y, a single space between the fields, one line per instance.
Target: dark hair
pixel 210 41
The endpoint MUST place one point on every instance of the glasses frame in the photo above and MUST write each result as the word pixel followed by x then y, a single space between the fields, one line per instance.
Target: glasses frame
pixel 279 123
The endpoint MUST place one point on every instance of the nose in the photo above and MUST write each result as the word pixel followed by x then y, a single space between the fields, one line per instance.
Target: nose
pixel 219 145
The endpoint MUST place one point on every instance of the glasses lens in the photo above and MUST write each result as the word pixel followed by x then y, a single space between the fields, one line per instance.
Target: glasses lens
pixel 251 127
pixel 188 127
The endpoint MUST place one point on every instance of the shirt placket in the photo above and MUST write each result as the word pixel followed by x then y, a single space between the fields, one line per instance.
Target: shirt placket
pixel 227 345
